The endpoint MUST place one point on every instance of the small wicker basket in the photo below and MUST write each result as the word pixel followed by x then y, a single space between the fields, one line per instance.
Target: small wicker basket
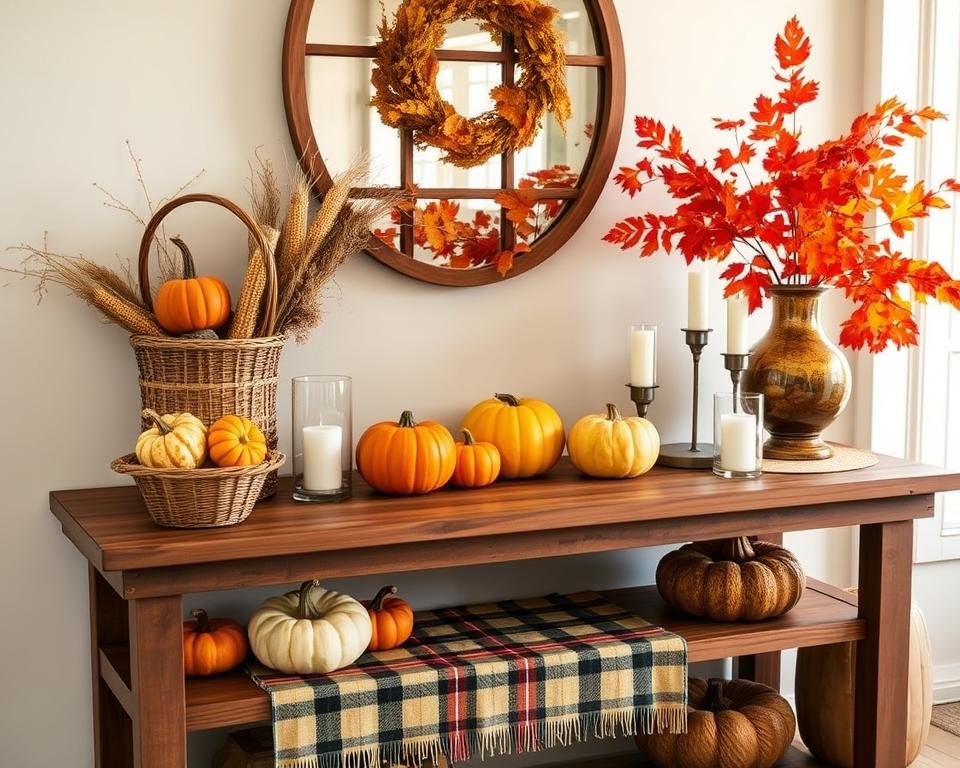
pixel 199 498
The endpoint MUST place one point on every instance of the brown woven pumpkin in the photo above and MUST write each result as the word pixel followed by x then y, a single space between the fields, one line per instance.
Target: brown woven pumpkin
pixel 731 579
pixel 730 724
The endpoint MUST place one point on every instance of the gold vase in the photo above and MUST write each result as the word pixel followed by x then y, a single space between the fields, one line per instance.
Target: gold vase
pixel 803 376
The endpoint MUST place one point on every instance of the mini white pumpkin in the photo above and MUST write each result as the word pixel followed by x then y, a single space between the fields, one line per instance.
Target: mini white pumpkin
pixel 309 631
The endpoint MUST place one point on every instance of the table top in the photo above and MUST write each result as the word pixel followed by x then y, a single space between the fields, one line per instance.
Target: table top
pixel 112 529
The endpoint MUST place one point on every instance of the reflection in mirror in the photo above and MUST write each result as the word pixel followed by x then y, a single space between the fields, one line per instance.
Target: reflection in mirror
pixel 552 147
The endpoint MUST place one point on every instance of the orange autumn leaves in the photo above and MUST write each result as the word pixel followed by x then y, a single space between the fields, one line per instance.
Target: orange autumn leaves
pixel 459 240
pixel 808 218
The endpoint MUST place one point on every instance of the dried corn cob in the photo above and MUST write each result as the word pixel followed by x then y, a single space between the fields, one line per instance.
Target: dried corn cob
pixel 332 205
pixel 247 314
pixel 124 313
pixel 294 231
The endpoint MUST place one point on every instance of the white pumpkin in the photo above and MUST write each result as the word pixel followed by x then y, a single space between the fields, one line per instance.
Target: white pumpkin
pixel 310 631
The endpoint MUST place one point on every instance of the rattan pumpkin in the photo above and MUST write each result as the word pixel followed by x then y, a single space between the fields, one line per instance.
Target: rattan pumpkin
pixel 212 646
pixel 404 457
pixel 825 688
pixel 175 441
pixel 527 432
pixel 731 579
pixel 478 464
pixel 730 724
pixel 391 618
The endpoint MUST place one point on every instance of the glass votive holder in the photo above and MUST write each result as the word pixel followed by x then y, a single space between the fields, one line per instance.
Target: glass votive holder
pixel 643 355
pixel 737 434
pixel 322 438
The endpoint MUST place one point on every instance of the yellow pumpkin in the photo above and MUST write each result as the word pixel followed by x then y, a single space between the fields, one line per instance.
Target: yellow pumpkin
pixel 175 441
pixel 192 303
pixel 235 441
pixel 478 464
pixel 527 432
pixel 612 446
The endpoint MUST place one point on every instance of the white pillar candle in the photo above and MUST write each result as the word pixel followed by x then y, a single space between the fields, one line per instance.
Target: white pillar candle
pixel 642 354
pixel 322 458
pixel 738 442
pixel 737 337
pixel 698 314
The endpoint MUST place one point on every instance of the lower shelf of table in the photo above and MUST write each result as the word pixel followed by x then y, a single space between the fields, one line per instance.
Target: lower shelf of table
pixel 793 759
pixel 824 615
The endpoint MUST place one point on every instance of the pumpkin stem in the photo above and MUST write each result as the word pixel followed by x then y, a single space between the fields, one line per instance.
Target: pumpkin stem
pixel 467 436
pixel 203 621
pixel 737 550
pixel 406 419
pixel 159 423
pixel 382 595
pixel 714 700
pixel 305 590
pixel 189 268
pixel 508 399
pixel 613 413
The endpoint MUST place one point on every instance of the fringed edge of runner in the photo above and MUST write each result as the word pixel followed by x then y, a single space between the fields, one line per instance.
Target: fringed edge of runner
pixel 504 740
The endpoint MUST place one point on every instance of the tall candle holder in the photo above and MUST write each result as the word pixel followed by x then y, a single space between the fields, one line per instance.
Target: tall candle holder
pixel 692 455
pixel 642 397
pixel 736 364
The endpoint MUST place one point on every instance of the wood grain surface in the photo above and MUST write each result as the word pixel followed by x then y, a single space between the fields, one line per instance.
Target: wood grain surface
pixel 112 529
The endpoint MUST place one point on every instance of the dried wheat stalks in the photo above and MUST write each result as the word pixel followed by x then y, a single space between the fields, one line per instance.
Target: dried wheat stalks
pixel 265 193
pixel 247 314
pixel 299 305
pixel 170 263
pixel 100 287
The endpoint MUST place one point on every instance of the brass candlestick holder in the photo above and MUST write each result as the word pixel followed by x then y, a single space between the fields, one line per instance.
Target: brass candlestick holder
pixel 642 397
pixel 692 455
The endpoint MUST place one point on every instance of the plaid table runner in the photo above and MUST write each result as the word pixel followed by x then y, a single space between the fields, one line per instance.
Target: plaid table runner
pixel 484 680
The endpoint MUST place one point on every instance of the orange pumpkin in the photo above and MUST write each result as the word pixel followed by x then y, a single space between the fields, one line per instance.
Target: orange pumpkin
pixel 192 303
pixel 235 441
pixel 478 464
pixel 405 457
pixel 212 646
pixel 392 620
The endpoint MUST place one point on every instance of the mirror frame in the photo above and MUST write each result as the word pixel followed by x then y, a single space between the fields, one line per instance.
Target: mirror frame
pixel 608 61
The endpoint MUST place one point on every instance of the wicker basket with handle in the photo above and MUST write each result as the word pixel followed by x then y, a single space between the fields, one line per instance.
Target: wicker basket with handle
pixel 211 378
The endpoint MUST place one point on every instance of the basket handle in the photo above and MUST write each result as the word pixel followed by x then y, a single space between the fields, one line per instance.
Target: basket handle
pixel 269 309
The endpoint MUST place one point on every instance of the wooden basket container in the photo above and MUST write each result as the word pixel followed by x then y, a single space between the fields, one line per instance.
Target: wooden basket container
pixel 199 498
pixel 211 378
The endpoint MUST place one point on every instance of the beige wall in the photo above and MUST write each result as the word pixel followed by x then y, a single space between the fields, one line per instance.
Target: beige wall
pixel 197 85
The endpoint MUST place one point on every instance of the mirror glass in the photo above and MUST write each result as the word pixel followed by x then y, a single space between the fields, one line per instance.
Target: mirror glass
pixel 458 220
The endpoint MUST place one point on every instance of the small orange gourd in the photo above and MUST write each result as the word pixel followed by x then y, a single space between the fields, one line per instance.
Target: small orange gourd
pixel 191 303
pixel 235 441
pixel 392 620
pixel 478 464
pixel 404 457
pixel 212 646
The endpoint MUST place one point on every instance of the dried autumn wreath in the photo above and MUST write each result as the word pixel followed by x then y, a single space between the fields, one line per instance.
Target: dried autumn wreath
pixel 406 66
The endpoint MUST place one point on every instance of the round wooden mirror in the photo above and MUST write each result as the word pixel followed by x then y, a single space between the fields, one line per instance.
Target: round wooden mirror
pixel 327 59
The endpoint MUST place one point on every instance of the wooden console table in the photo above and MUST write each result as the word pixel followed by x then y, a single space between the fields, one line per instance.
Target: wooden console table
pixel 139 572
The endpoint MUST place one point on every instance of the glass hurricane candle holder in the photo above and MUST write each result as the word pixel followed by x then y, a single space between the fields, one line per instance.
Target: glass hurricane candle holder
pixel 737 435
pixel 322 438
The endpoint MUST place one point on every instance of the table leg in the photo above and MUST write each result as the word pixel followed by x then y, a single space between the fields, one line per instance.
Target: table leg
pixel 761 667
pixel 880 722
pixel 156 680
pixel 112 732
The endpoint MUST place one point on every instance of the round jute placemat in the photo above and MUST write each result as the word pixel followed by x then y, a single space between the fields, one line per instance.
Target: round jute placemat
pixel 844 459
